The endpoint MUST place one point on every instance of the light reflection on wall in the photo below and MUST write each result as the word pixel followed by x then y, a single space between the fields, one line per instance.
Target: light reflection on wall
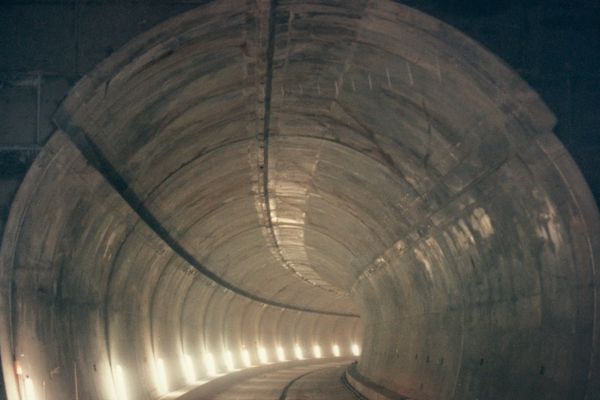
pixel 298 352
pixel 228 359
pixel 335 349
pixel 263 356
pixel 29 389
pixel 119 389
pixel 317 351
pixel 188 368
pixel 161 376
pixel 246 358
pixel 280 353
pixel 120 385
pixel 209 364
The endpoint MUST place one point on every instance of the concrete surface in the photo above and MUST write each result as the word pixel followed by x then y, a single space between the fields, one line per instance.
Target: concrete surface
pixel 258 176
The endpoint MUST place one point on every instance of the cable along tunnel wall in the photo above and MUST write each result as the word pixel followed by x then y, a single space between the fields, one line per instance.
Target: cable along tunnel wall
pixel 257 174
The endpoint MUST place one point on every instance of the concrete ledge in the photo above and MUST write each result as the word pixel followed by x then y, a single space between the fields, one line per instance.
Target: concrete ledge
pixel 368 389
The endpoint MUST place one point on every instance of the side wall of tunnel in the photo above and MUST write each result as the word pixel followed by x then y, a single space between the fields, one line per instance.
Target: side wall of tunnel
pixel 409 165
pixel 482 279
pixel 102 308
pixel 506 296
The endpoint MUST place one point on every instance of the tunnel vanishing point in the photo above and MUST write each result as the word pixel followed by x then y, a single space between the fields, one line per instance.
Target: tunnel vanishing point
pixel 258 181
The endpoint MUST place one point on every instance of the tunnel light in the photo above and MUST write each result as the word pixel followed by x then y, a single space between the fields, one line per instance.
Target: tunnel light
pixel 246 358
pixel 228 359
pixel 298 352
pixel 110 385
pixel 188 368
pixel 280 353
pixel 335 349
pixel 355 349
pixel 161 376
pixel 209 363
pixel 317 351
pixel 120 386
pixel 29 390
pixel 262 355
pixel 18 368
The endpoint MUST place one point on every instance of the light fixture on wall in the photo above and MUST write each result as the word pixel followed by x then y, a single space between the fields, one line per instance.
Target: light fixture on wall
pixel 335 349
pixel 317 351
pixel 161 376
pixel 246 358
pixel 29 389
pixel 298 352
pixel 263 356
pixel 120 385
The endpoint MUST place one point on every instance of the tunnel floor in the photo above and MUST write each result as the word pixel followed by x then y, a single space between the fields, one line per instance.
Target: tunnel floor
pixel 315 379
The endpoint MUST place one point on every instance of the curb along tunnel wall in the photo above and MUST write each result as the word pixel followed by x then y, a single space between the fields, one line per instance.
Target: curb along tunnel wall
pixel 253 177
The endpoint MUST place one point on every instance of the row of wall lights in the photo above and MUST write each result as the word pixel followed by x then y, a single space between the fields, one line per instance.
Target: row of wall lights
pixel 210 363
pixel 189 369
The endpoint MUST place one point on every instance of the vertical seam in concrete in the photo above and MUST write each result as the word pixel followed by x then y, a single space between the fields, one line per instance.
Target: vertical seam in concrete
pixel 268 91
pixel 182 315
pixel 267 117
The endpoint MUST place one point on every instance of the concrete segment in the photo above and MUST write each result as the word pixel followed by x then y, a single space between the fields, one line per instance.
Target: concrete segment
pixel 249 176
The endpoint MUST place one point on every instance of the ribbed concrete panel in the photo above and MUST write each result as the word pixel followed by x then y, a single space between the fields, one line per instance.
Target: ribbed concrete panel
pixel 254 175
pixel 114 297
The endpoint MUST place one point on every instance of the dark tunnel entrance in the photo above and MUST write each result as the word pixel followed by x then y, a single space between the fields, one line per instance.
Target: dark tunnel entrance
pixel 259 182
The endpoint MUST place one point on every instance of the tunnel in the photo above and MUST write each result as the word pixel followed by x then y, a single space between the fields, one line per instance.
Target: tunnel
pixel 286 183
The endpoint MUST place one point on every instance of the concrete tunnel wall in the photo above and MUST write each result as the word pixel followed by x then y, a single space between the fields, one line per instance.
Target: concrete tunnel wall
pixel 260 175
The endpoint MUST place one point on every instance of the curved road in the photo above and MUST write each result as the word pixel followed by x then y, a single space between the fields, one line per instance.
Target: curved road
pixel 319 380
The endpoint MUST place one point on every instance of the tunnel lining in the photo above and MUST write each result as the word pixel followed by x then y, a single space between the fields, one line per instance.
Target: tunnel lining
pixel 102 165
pixel 526 113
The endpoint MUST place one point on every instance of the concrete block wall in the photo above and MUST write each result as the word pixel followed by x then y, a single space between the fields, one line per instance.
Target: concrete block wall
pixel 46 47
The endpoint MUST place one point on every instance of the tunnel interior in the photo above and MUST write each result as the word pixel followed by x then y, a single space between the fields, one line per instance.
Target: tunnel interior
pixel 254 182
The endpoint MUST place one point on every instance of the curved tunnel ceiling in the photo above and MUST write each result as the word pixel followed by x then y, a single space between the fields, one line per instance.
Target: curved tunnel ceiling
pixel 254 176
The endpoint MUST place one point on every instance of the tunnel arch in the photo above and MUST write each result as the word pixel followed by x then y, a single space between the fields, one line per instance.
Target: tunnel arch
pixel 284 167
